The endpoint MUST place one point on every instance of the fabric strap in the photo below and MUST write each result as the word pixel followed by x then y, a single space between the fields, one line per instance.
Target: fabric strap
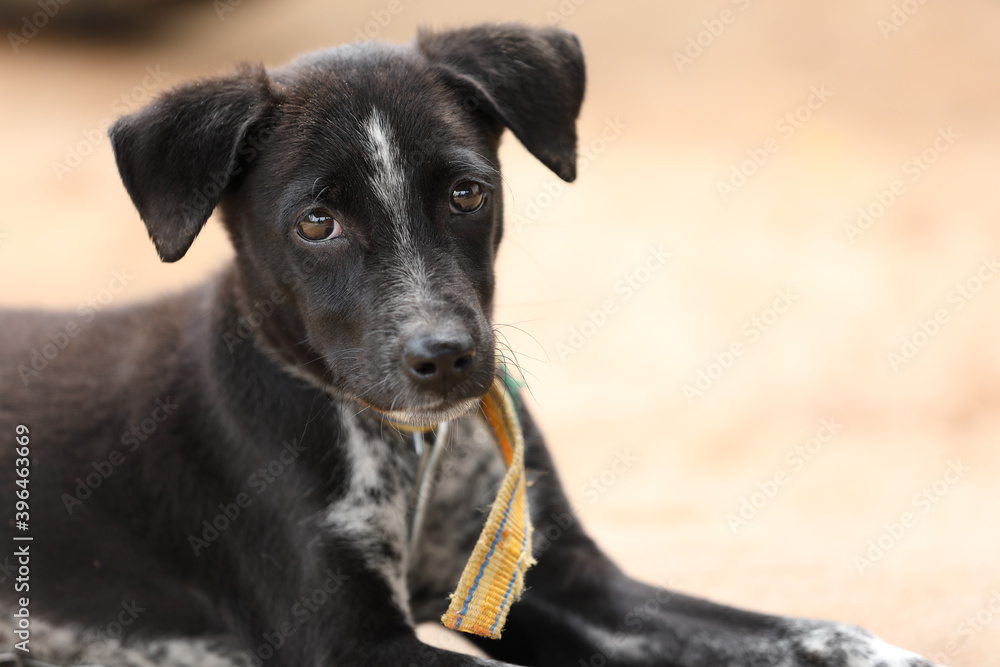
pixel 493 578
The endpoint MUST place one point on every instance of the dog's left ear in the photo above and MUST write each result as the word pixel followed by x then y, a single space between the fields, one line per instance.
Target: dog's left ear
pixel 530 79
pixel 177 155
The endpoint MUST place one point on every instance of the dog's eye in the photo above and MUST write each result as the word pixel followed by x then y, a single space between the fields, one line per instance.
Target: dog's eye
pixel 467 197
pixel 319 226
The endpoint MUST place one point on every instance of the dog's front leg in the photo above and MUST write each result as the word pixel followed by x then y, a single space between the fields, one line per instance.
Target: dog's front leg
pixel 341 612
pixel 579 609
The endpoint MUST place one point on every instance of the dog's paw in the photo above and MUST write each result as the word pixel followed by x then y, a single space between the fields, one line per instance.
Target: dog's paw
pixel 840 645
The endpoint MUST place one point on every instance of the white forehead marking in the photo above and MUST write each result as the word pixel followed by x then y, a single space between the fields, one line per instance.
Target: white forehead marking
pixel 388 180
pixel 389 183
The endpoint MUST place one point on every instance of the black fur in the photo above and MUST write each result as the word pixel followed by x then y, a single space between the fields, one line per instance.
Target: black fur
pixel 209 458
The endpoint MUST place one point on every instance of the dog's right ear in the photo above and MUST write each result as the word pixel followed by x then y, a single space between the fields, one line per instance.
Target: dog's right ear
pixel 178 154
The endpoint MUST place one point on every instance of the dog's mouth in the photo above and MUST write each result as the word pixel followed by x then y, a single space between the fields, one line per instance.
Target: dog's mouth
pixel 423 416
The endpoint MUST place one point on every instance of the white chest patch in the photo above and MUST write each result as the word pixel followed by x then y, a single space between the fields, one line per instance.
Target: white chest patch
pixel 372 514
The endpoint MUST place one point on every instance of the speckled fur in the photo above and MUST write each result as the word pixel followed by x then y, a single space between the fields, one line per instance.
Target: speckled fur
pixel 372 511
pixel 373 515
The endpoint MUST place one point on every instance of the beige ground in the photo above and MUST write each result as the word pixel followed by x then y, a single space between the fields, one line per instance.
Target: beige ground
pixel 674 134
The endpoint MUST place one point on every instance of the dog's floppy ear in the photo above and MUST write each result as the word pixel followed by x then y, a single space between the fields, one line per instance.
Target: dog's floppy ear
pixel 177 154
pixel 529 79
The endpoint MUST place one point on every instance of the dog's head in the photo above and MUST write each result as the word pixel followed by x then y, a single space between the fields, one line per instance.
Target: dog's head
pixel 361 190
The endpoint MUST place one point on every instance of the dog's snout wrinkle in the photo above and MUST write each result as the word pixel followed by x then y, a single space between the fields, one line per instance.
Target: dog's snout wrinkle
pixel 439 361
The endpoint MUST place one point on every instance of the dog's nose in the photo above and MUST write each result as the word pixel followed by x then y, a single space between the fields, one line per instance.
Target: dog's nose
pixel 439 361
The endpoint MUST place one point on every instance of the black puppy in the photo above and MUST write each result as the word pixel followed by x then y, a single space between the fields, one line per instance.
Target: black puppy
pixel 214 479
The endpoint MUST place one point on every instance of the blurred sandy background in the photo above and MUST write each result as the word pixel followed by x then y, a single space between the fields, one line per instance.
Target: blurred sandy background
pixel 661 133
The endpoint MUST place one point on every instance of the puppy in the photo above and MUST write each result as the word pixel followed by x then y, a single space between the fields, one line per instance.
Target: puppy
pixel 219 478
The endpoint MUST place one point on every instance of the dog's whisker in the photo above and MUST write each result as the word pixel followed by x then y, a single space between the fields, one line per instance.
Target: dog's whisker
pixel 547 360
pixel 505 343
pixel 521 375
